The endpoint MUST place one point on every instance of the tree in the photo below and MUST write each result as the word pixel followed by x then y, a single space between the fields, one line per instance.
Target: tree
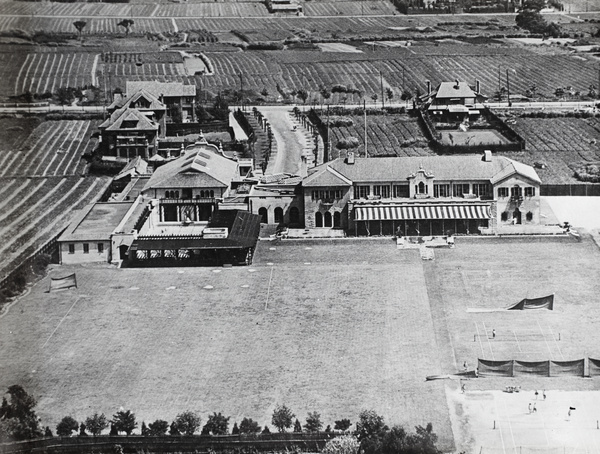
pixel 297 426
pixel 370 430
pixel 342 424
pixel 126 24
pixel 249 426
pixel 20 420
pixel 346 444
pixel 389 93
pixel 187 422
pixel 266 430
pixel 82 432
pixel 235 430
pixel 282 418
pixel 173 430
pixel 374 97
pixel 394 441
pixel 313 422
pixel 158 428
pixel 302 94
pixel 220 109
pixel 96 423
pixel 176 114
pixel 80 25
pixel 113 430
pixel 425 439
pixel 144 429
pixel 202 115
pixel 66 427
pixel 217 424
pixel 65 96
pixel 47 432
pixel 124 421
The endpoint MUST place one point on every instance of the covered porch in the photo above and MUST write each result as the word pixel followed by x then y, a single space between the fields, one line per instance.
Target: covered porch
pixel 421 219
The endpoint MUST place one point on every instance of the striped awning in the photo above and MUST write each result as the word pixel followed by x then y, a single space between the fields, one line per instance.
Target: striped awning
pixel 409 212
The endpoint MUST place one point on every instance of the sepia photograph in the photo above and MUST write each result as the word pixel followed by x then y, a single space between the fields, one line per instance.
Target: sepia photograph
pixel 299 226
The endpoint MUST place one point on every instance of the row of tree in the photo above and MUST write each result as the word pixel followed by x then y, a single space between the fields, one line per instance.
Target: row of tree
pixel 18 421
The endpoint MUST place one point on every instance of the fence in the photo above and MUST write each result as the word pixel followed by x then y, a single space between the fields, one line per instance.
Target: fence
pixel 137 443
pixel 581 189
pixel 513 368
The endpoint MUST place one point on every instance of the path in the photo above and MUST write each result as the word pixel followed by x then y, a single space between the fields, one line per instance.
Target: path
pixel 289 144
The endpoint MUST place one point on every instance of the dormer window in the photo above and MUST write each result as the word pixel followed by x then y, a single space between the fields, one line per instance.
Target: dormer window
pixel 421 188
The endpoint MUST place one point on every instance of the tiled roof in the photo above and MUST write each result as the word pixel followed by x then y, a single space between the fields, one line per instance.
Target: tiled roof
pixel 455 89
pixel 159 89
pixel 96 221
pixel 444 168
pixel 196 169
pixel 116 120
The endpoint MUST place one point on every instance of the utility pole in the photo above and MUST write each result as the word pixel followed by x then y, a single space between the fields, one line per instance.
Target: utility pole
pixel 365 114
pixel 381 83
pixel 508 88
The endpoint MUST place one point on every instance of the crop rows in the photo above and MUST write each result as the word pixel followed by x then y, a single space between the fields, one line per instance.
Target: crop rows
pixel 395 135
pixel 349 8
pixel 116 75
pixel 138 57
pixel 38 208
pixel 576 135
pixel 78 10
pixel 213 10
pixel 95 25
pixel 47 72
pixel 54 148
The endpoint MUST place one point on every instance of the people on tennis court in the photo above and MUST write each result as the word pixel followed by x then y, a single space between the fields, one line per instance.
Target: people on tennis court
pixel 530 407
pixel 534 409
pixel 544 394
pixel 463 387
pixel 536 394
pixel 494 334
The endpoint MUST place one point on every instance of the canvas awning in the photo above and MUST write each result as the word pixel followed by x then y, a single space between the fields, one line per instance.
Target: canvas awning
pixel 398 213
pixel 458 109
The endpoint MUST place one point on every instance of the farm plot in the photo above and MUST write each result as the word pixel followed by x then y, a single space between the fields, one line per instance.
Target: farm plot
pixel 389 135
pixel 37 209
pixel 349 8
pixel 53 148
pixel 49 71
pixel 116 75
pixel 250 9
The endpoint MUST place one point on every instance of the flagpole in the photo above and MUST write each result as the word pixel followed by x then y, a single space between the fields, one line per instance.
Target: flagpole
pixel 365 113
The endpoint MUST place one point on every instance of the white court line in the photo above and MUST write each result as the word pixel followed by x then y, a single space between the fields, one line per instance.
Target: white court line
pixel 517 339
pixel 60 323
pixel 500 427
pixel 512 435
pixel 269 289
pixel 556 342
pixel 488 341
pixel 545 340
pixel 479 337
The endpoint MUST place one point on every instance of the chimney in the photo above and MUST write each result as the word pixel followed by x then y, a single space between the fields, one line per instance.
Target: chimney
pixel 487 156
pixel 428 82
pixel 477 86
pixel 303 167
pixel 350 157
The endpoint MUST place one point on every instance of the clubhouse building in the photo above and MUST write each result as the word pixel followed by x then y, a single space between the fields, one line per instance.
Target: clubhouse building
pixel 421 196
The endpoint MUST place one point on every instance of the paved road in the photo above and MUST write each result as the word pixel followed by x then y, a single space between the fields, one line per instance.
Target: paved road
pixel 289 143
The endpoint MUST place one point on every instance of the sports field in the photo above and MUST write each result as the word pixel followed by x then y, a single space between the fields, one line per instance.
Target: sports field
pixel 334 327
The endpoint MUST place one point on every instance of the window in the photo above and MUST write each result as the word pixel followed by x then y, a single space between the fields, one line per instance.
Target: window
pixel 530 191
pixel 459 189
pixel 337 218
pixel 264 216
pixel 502 192
pixel 441 190
pixel 516 192
pixel 318 219
pixel 529 216
pixel 482 189
pixel 361 192
pixel 327 219
pixel 327 194
pixel 504 215
pixel 421 188
pixel 278 215
pixel 86 248
pixel 400 190
pixel 71 249
pixel 100 248
pixel 382 191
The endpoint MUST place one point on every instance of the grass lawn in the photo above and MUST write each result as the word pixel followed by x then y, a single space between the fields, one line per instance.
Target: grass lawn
pixel 332 326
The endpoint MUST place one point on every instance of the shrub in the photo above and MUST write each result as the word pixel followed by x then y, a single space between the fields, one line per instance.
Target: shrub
pixel 589 172
pixel 66 427
pixel 345 144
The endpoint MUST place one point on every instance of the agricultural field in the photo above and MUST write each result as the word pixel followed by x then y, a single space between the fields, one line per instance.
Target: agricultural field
pixel 48 71
pixel 349 8
pixel 44 177
pixel 37 208
pixel 389 135
pixel 54 148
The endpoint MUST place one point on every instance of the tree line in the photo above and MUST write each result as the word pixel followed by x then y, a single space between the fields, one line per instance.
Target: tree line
pixel 18 421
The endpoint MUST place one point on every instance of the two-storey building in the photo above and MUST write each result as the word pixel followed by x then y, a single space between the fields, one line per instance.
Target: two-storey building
pixel 418 196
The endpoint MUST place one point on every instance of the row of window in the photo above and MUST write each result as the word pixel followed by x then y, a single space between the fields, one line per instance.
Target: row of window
pixel 86 248
pixel 328 194
pixel 327 220
pixel 517 191
pixel 439 190
pixel 187 194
